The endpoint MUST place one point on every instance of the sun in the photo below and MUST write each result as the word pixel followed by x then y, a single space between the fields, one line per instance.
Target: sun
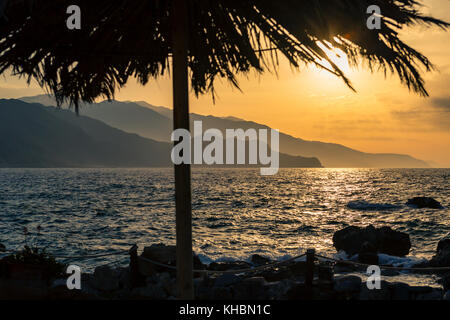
pixel 337 56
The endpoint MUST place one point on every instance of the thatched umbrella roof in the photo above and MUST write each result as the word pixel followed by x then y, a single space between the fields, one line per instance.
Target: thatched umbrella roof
pixel 207 39
pixel 132 38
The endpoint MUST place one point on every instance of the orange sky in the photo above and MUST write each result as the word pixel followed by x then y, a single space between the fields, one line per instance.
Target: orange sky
pixel 381 117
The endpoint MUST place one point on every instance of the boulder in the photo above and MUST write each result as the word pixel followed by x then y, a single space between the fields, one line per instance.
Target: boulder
pixel 2 247
pixel 442 256
pixel 221 293
pixel 277 290
pixel 394 243
pixel 443 245
pixel 375 294
pixel 447 296
pixel 347 284
pixel 325 274
pixel 163 254
pixel 424 202
pixel 151 292
pixel 434 294
pixel 276 275
pixel 234 265
pixel 415 290
pixel 399 291
pixel 445 281
pixel 258 260
pixel 355 240
pixel 226 279
pixel 106 278
pixel 368 253
pixel 250 289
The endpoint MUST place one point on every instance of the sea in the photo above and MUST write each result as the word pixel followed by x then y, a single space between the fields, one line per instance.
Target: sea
pixel 236 212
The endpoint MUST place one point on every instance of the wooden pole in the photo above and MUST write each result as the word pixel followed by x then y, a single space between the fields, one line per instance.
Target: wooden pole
pixel 309 276
pixel 135 276
pixel 182 171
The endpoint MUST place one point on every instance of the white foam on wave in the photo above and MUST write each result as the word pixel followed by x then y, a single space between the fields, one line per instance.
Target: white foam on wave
pixel 407 262
pixel 247 258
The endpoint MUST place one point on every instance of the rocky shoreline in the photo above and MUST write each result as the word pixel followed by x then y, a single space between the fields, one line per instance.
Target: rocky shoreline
pixel 332 281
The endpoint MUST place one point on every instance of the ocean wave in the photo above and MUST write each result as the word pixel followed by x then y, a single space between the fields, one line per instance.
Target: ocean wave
pixel 367 206
pixel 406 262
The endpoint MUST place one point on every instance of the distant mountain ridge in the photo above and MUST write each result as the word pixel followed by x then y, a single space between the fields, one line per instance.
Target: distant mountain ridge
pixel 33 135
pixel 155 122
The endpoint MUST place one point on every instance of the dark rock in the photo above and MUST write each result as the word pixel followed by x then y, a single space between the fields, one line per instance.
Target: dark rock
pixel 106 278
pixel 443 245
pixel 221 293
pixel 297 268
pixel 350 239
pixel 2 247
pixel 297 291
pixel 203 288
pixel 250 289
pixel 163 254
pixel 340 267
pixel 442 256
pixel 224 266
pixel 375 294
pixel 163 280
pixel 258 260
pixel 368 253
pixel 226 279
pixel 399 291
pixel 384 240
pixel 368 258
pixel 420 289
pixel 434 294
pixel 325 273
pixel 447 296
pixel 424 202
pixel 349 283
pixel 393 242
pixel 276 275
pixel 445 281
pixel 151 292
pixel 389 272
pixel 277 290
pixel 23 289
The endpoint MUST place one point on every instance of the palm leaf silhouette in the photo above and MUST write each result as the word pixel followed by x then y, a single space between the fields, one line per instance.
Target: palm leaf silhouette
pixel 207 40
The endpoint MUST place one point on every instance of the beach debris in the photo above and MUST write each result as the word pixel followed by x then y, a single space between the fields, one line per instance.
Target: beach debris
pixel 424 202
pixel 382 240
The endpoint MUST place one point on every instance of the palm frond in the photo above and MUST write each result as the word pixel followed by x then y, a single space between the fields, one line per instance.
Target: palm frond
pixel 132 38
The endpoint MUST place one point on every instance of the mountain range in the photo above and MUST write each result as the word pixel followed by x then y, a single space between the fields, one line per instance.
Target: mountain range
pixel 155 122
pixel 34 135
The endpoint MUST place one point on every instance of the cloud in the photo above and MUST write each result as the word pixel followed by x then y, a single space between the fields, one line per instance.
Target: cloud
pixel 442 103
pixel 18 92
pixel 432 116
